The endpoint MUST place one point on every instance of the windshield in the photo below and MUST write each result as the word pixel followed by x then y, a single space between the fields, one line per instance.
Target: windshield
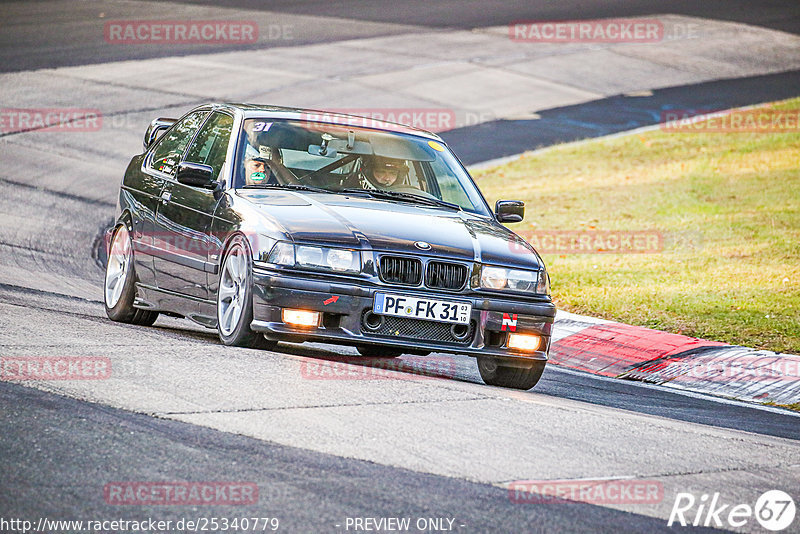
pixel 341 158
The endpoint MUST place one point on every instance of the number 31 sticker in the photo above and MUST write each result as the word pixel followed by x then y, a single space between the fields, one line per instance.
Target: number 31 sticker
pixel 262 126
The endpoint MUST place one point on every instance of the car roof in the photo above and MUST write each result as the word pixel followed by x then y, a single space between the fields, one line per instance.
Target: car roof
pixel 331 117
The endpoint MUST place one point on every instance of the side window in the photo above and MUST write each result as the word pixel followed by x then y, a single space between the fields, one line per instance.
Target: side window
pixel 169 150
pixel 211 144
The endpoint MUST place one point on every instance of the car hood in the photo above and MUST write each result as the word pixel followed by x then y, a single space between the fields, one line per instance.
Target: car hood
pixel 358 222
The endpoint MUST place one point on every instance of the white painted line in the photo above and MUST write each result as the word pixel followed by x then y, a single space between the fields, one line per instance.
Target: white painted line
pixel 565 315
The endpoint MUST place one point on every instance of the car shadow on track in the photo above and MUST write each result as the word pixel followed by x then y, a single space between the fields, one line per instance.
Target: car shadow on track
pixel 336 359
pixel 340 360
pixel 335 362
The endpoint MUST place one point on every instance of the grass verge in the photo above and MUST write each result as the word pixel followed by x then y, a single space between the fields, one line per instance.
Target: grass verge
pixel 794 406
pixel 726 208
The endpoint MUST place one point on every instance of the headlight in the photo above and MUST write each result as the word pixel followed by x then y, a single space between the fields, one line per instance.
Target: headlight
pixel 543 287
pixel 321 258
pixel 494 278
pixel 515 280
pixel 282 254
pixel 343 260
pixel 309 256
pixel 524 281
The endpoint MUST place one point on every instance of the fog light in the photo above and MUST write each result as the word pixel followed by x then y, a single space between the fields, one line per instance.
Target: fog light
pixel 526 342
pixel 300 317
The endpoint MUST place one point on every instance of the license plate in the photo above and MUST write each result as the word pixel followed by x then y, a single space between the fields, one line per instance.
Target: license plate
pixel 444 311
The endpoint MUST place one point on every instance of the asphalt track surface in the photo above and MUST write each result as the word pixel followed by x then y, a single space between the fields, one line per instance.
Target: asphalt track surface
pixel 35 41
pixel 614 114
pixel 306 491
pixel 185 408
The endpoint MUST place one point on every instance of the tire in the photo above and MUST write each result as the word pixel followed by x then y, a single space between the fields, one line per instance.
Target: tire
pixel 119 287
pixel 495 373
pixel 373 351
pixel 235 299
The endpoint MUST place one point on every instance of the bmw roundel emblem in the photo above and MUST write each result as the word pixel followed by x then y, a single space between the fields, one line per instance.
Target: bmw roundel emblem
pixel 422 245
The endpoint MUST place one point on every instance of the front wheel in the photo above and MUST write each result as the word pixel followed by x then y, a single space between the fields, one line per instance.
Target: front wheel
pixel 119 289
pixel 517 375
pixel 235 299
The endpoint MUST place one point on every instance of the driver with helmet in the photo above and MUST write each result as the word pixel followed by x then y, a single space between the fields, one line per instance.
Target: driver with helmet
pixel 265 166
pixel 254 167
pixel 381 172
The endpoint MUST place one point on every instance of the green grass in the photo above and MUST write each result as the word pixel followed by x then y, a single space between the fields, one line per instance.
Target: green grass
pixel 727 205
pixel 794 406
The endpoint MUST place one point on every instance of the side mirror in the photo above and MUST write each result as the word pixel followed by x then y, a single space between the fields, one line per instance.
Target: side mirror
pixel 155 128
pixel 196 174
pixel 509 211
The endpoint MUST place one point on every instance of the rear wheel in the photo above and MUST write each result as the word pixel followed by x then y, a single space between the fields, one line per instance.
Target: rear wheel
pixel 119 289
pixel 235 299
pixel 515 375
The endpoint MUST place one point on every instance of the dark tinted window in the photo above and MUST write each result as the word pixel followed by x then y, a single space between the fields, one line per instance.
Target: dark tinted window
pixel 211 144
pixel 169 149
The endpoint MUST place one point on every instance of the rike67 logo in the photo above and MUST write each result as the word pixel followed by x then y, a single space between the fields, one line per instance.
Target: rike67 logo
pixel 774 510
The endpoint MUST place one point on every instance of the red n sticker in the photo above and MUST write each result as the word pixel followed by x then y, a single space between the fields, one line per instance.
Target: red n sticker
pixel 510 322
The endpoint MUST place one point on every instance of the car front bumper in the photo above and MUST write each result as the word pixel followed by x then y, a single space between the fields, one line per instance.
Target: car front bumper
pixel 343 304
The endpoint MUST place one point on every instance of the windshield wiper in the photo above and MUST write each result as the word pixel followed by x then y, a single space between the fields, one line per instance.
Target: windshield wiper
pixel 375 193
pixel 399 195
pixel 298 187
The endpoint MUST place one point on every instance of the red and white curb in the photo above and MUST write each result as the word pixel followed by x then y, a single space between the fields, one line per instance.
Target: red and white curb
pixel 637 353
